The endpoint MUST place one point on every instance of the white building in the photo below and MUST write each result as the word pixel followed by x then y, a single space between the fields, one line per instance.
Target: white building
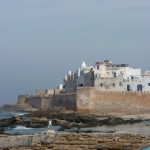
pixel 105 76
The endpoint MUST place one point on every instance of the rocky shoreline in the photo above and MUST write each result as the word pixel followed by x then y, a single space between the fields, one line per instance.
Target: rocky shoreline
pixel 68 120
pixel 76 141
pixel 73 139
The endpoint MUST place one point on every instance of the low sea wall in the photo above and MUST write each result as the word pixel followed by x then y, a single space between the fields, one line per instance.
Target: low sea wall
pixel 75 141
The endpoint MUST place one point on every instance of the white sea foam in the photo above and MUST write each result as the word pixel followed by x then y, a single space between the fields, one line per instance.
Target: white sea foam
pixel 21 128
pixel 21 114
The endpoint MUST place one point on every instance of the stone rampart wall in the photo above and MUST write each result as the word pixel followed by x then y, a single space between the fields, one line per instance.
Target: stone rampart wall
pixel 124 98
pixel 89 99
pixel 67 101
pixel 46 101
pixel 34 101
pixel 39 101
pixel 21 99
pixel 84 99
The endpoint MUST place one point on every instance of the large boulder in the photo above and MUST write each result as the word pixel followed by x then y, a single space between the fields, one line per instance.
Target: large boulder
pixel 16 118
pixel 47 137
pixel 2 130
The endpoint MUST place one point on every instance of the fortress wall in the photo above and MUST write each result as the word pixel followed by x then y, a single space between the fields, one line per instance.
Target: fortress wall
pixel 90 100
pixel 21 99
pixel 124 98
pixel 39 101
pixel 84 99
pixel 46 101
pixel 67 101
pixel 120 101
pixel 34 101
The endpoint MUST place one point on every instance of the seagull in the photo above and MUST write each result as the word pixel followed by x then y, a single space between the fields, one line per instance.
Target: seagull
pixel 49 124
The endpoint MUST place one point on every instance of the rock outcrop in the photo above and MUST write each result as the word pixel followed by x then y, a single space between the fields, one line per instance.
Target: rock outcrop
pixel 75 141
pixel 46 137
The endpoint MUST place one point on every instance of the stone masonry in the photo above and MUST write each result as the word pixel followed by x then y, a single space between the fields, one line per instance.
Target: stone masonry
pixel 88 99
pixel 91 100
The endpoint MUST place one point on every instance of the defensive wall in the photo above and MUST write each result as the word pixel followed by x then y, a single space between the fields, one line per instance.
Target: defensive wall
pixel 91 100
pixel 88 99
pixel 67 101
pixel 39 101
pixel 64 100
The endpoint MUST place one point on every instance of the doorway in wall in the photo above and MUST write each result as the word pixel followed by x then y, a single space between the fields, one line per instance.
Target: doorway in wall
pixel 139 87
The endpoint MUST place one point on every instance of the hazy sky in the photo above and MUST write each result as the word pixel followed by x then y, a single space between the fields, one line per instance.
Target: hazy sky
pixel 40 40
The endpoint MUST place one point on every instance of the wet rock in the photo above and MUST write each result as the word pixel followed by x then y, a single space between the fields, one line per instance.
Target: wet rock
pixel 66 119
pixel 63 123
pixel 66 124
pixel 34 125
pixel 37 123
pixel 41 121
pixel 16 118
pixel 69 119
pixel 2 130
pixel 6 122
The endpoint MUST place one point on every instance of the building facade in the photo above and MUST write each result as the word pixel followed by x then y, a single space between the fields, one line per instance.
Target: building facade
pixel 105 76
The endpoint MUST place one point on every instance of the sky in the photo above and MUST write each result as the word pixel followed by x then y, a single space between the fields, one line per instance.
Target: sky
pixel 40 41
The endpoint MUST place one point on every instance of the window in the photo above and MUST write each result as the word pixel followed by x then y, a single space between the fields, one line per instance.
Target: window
pixel 148 84
pixel 121 84
pixel 80 85
pixel 113 84
pixel 97 67
pixel 115 75
pixel 101 85
pixel 139 87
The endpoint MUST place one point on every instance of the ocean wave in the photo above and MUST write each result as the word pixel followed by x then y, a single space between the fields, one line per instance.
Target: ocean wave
pixel 21 128
pixel 5 115
pixel 21 114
